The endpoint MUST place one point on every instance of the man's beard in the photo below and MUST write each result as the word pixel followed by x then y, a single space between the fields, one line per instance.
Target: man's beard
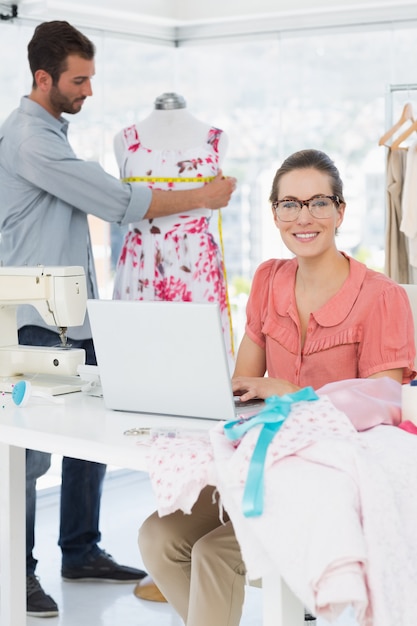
pixel 62 104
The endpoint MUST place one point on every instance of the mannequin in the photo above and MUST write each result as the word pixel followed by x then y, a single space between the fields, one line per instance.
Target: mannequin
pixel 170 126
pixel 174 257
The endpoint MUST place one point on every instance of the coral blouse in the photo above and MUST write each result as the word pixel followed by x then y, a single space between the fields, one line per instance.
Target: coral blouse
pixel 366 328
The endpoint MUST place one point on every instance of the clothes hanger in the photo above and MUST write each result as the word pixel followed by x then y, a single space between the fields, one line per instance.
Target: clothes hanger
pixel 396 145
pixel 406 115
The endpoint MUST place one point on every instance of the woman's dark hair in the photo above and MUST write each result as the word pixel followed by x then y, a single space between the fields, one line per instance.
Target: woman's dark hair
pixel 309 159
pixel 50 46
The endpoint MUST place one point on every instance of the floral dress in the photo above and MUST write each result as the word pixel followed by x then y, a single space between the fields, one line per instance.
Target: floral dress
pixel 175 257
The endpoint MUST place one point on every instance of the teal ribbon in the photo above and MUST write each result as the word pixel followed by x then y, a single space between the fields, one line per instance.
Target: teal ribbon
pixel 272 417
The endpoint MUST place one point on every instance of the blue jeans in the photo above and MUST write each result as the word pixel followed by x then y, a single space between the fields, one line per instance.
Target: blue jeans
pixel 81 486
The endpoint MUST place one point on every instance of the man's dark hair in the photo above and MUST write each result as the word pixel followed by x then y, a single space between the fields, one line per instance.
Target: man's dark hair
pixel 50 46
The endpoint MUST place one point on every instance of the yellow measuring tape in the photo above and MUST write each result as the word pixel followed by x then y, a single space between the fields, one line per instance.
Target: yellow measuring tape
pixel 162 179
pixel 196 179
pixel 229 310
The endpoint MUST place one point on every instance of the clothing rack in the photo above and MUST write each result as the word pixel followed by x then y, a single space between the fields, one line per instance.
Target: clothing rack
pixel 389 105
pixel 410 88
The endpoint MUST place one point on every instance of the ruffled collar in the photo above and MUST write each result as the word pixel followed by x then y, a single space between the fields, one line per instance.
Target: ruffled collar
pixel 337 309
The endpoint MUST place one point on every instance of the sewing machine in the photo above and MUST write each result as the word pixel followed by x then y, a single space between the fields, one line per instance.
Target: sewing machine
pixel 60 296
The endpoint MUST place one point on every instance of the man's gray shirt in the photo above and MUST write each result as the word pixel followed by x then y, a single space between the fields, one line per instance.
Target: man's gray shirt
pixel 46 193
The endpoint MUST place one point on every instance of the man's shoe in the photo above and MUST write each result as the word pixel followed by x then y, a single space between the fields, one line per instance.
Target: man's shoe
pixel 308 617
pixel 147 590
pixel 38 603
pixel 102 568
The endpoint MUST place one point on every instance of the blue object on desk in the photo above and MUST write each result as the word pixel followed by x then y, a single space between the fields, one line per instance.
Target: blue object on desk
pixel 21 392
pixel 271 418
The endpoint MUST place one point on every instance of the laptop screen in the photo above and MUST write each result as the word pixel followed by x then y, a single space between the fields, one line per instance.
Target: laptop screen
pixel 162 357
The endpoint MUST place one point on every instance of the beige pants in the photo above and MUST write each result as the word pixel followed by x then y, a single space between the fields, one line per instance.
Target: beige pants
pixel 196 562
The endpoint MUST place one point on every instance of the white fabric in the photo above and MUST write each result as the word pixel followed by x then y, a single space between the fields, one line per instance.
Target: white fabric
pixel 338 524
pixel 409 204
pixel 170 129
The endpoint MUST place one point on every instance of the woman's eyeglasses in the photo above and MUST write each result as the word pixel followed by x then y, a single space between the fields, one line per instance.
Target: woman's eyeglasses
pixel 320 207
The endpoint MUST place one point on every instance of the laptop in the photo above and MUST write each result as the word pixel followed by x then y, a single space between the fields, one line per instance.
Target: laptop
pixel 163 357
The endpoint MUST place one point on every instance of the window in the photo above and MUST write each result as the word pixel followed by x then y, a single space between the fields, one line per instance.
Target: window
pixel 273 96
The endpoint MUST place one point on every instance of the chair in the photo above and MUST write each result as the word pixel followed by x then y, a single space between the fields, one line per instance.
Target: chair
pixel 412 296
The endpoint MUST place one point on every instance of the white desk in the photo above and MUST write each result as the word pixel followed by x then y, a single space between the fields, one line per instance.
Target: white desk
pixel 81 427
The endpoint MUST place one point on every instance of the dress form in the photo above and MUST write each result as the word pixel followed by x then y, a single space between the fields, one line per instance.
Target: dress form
pixel 170 126
pixel 174 257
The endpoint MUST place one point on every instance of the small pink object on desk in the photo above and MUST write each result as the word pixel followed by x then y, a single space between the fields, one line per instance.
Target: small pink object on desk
pixel 409 407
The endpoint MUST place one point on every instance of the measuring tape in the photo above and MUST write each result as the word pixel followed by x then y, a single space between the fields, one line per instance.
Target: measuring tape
pixel 160 179
pixel 229 309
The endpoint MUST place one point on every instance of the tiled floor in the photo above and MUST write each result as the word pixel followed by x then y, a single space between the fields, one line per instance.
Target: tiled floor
pixel 127 500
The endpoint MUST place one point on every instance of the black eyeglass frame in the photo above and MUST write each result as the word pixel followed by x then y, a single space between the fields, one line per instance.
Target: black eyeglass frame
pixel 301 203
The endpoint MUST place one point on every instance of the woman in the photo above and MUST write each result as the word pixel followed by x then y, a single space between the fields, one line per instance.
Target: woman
pixel 311 320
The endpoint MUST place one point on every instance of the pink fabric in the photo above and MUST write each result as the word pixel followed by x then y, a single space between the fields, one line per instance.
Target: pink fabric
pixel 344 336
pixel 409 427
pixel 179 467
pixel 367 402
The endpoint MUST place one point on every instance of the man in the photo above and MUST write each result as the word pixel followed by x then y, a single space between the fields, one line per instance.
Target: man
pixel 46 195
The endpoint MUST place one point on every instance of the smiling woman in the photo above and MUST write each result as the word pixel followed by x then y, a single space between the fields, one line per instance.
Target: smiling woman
pixel 319 302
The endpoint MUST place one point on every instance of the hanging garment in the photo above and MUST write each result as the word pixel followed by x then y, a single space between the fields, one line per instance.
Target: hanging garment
pixel 396 255
pixel 409 198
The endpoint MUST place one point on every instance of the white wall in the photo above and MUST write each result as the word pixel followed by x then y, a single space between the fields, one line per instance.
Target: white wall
pixel 190 10
pixel 177 22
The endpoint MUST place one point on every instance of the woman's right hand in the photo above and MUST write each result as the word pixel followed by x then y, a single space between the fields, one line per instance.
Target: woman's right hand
pixel 249 387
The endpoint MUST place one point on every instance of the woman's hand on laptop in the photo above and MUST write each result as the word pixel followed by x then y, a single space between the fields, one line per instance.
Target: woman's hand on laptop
pixel 248 387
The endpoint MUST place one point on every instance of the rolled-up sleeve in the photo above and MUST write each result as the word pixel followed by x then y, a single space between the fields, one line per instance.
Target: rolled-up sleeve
pixel 49 163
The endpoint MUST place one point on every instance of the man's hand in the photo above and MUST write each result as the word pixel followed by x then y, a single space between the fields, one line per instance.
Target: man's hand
pixel 218 192
pixel 213 195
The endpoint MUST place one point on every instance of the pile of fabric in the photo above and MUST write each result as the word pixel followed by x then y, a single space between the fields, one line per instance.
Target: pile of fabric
pixel 339 505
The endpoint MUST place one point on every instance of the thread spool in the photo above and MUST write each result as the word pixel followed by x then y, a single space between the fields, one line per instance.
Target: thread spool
pixel 22 392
